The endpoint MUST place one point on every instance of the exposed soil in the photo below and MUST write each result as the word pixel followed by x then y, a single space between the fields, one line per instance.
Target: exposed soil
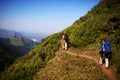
pixel 111 75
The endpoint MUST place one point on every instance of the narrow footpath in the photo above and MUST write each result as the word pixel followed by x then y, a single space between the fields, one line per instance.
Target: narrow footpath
pixel 111 75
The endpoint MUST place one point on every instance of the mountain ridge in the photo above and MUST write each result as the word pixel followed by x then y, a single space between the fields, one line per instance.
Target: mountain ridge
pixel 36 37
pixel 4 33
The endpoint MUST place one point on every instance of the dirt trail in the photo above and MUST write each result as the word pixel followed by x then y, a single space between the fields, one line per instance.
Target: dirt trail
pixel 111 75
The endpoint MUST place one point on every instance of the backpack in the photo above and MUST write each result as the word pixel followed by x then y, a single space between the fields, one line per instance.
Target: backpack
pixel 65 36
pixel 107 46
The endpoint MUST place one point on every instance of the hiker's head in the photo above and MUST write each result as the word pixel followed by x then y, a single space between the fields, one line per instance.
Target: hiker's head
pixel 102 41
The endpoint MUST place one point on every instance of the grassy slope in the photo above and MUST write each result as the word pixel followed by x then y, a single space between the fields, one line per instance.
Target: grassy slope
pixel 68 67
pixel 26 67
pixel 103 21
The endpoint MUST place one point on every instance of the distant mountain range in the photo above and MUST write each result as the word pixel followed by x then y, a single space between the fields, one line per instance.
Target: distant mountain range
pixel 17 44
pixel 4 33
pixel 13 45
pixel 34 36
pixel 8 34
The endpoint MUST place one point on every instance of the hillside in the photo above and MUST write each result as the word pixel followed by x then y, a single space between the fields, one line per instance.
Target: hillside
pixel 68 67
pixel 102 22
pixel 13 48
pixel 17 44
pixel 7 58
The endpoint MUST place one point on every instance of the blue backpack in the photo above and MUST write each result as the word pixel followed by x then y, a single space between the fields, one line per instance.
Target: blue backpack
pixel 107 46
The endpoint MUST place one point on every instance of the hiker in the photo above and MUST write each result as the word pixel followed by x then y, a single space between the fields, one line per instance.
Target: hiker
pixel 105 51
pixel 102 49
pixel 64 41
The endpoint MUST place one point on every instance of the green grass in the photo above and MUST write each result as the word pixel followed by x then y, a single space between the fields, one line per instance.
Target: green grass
pixel 27 66
pixel 68 67
pixel 102 22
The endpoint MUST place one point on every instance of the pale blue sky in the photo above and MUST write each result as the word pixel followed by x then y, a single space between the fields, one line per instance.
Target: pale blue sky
pixel 42 16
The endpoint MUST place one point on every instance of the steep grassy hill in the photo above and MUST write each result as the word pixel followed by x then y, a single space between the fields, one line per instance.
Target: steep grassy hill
pixel 26 67
pixel 102 22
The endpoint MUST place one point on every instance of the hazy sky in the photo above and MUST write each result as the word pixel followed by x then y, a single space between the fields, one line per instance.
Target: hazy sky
pixel 42 16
